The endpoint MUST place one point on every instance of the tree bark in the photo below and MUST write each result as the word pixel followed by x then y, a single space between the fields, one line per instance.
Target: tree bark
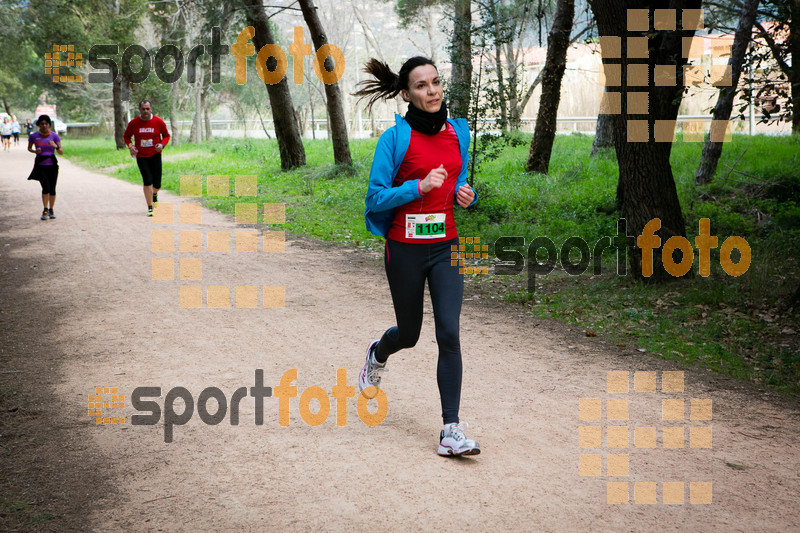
pixel 204 105
pixel 553 72
pixel 118 91
pixel 173 115
pixel 290 142
pixel 6 106
pixel 722 110
pixel 368 33
pixel 514 109
pixel 646 188
pixel 604 133
pixel 527 96
pixel 461 59
pixel 338 124
pixel 197 123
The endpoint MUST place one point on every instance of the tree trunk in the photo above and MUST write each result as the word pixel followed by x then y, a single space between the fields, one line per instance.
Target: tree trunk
pixel 520 103
pixel 290 143
pixel 6 106
pixel 197 122
pixel 120 120
pixel 554 66
pixel 206 118
pixel 722 110
pixel 501 86
pixel 646 188
pixel 431 32
pixel 369 35
pixel 604 133
pixel 527 96
pixel 514 110
pixel 338 123
pixel 173 115
pixel 313 127
pixel 461 59
pixel 501 90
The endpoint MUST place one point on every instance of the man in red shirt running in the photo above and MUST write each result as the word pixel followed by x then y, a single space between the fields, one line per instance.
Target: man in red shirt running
pixel 151 137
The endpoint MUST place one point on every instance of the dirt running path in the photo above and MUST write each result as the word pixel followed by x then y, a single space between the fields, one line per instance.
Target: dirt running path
pixel 78 309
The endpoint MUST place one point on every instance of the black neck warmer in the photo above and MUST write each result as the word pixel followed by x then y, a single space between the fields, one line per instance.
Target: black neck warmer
pixel 424 122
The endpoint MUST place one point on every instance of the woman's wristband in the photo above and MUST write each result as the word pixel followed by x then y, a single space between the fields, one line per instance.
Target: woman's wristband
pixel 419 187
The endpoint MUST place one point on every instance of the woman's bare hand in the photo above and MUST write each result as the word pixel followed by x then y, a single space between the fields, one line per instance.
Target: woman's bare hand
pixel 465 196
pixel 433 180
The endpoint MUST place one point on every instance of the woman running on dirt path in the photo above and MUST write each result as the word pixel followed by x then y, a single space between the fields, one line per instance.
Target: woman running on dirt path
pixel 44 143
pixel 5 134
pixel 15 130
pixel 419 171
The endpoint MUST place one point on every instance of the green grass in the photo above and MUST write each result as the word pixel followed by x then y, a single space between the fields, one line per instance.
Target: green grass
pixel 736 326
pixel 322 201
pixel 22 512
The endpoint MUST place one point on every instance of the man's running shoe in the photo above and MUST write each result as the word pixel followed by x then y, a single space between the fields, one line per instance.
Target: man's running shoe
pixel 155 197
pixel 150 211
pixel 45 214
pixel 50 213
pixel 452 441
pixel 371 373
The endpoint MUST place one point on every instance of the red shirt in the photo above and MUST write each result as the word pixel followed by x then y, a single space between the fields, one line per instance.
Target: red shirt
pixel 148 134
pixel 425 153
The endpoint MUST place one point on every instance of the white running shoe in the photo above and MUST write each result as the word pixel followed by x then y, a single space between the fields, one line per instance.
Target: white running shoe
pixel 370 375
pixel 454 442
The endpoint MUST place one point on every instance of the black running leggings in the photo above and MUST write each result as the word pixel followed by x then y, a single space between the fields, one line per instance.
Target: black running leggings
pixel 407 268
pixel 49 175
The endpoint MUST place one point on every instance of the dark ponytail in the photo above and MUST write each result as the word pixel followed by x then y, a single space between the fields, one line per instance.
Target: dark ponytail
pixel 387 84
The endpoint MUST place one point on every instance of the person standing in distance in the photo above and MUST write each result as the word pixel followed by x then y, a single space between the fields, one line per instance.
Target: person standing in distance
pixel 418 173
pixel 151 136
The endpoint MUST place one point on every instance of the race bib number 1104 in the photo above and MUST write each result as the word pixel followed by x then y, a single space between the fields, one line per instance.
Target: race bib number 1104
pixel 428 226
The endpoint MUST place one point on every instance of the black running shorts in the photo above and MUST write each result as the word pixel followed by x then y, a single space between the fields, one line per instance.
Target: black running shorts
pixel 150 167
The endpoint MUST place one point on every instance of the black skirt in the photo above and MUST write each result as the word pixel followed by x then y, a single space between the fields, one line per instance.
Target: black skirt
pixel 42 172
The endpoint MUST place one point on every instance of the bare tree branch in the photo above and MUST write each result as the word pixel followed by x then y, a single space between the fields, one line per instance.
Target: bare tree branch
pixel 368 33
pixel 776 53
